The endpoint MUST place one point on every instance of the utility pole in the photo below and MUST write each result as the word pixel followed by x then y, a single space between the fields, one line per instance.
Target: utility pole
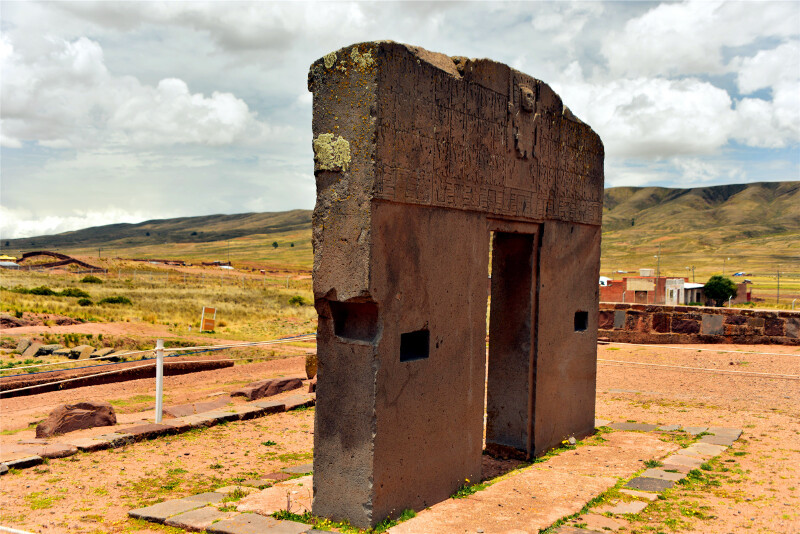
pixel 658 274
pixel 778 297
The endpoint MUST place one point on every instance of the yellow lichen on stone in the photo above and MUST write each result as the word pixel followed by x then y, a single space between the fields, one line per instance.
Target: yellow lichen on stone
pixel 331 153
pixel 329 59
pixel 361 61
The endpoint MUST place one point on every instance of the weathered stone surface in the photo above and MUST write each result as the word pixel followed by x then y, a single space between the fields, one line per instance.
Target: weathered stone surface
pixel 22 344
pixel 649 484
pixel 230 489
pixel 695 430
pixel 635 427
pixel 684 326
pixel 661 322
pixel 669 428
pixel 209 497
pixel 158 513
pixel 148 431
pixel 676 468
pixel 681 459
pixel 69 417
pixel 199 519
pixel 619 319
pixel 89 444
pixel 256 524
pixel 258 482
pixel 724 440
pixel 417 159
pixel 312 385
pixel 41 448
pixel 64 353
pixel 725 431
pixel 311 365
pixel 600 523
pixel 773 327
pixel 271 406
pixel 792 327
pixel 601 422
pixel 32 349
pixel 267 388
pixel 3 469
pixel 298 492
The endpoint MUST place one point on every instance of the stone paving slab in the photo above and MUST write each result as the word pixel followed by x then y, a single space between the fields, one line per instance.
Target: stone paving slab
pixel 258 482
pixel 158 513
pixel 45 449
pixel 183 410
pixel 663 475
pixel 723 440
pixel 215 418
pixel 209 497
pixel 669 428
pixel 271 406
pixel 248 412
pixel 633 427
pixel 601 422
pixel 148 431
pixel 300 401
pixel 180 424
pixel 621 508
pixel 639 494
pixel 735 433
pixel 199 519
pixel 23 463
pixel 89 444
pixel 230 489
pixel 676 468
pixel 574 530
pixel 649 484
pixel 703 450
pixel 601 523
pixel 3 469
pixel 256 524
pixel 299 491
pixel 116 439
pixel 681 459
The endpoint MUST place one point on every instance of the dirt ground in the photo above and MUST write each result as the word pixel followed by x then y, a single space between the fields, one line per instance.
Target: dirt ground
pixel 757 486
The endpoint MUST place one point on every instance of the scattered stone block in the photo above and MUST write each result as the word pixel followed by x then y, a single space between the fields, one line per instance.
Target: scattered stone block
pixel 635 427
pixel 23 463
pixel 267 388
pixel 117 356
pixel 311 364
pixel 663 475
pixel 99 353
pixel 312 385
pixel 649 484
pixel 3 469
pixel 632 507
pixel 46 350
pixel 22 344
pixel 639 494
pixel 299 469
pixel 199 519
pixel 158 513
pixel 69 417
pixel 32 349
pixel 255 524
pixel 63 353
pixel 81 352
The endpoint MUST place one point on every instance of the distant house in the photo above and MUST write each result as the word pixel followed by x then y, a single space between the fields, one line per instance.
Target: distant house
pixel 644 289
pixel 8 265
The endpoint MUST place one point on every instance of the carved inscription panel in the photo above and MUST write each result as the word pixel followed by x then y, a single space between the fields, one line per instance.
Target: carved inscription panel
pixel 443 141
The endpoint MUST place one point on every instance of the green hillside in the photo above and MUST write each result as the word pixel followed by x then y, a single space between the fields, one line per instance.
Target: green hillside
pixel 756 225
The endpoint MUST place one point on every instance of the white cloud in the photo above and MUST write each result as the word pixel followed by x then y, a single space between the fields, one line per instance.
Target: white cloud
pixel 68 98
pixel 652 117
pixel 16 223
pixel 689 37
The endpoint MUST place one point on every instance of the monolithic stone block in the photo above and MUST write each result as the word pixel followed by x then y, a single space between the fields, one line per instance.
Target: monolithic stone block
pixel 661 322
pixel 419 159
pixel 69 417
pixel 619 319
pixel 267 388
pixel 773 327
pixel 684 326
pixel 711 325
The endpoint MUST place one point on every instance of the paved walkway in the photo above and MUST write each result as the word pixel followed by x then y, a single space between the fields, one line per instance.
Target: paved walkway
pixel 520 502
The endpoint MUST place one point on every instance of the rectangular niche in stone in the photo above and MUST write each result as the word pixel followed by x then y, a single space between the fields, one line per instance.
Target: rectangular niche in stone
pixel 418 159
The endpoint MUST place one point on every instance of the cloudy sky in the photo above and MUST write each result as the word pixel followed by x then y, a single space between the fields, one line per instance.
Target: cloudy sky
pixel 127 111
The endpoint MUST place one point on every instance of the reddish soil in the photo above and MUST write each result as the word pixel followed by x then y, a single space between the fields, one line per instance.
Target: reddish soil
pixel 760 492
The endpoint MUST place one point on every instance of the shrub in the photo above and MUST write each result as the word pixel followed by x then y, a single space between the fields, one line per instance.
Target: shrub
pixel 274 244
pixel 75 292
pixel 84 302
pixel 18 314
pixel 298 300
pixel 719 289
pixel 41 290
pixel 116 300
pixel 91 279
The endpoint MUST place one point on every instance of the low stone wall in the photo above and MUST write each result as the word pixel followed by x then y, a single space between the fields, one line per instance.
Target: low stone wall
pixel 641 323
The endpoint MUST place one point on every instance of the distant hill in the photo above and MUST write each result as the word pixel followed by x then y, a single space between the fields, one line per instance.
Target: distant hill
pixel 758 224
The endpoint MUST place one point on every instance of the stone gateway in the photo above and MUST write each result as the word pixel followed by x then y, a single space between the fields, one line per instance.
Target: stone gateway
pixel 424 165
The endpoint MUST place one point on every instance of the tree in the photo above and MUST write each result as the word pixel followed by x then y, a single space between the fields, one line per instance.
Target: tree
pixel 719 289
pixel 274 244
